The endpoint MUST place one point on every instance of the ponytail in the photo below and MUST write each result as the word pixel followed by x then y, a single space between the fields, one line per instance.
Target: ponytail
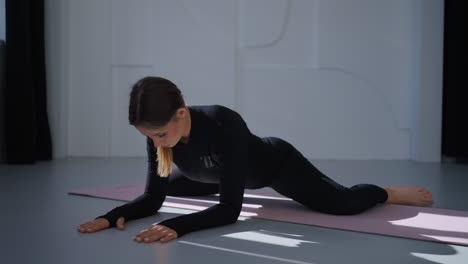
pixel 164 161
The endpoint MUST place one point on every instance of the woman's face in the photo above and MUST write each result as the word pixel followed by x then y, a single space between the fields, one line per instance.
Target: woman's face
pixel 170 134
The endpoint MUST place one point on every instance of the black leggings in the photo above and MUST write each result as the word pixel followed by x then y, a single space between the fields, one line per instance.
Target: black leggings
pixel 301 181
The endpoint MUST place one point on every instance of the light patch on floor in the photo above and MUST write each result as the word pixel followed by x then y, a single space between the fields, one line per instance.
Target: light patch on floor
pixel 262 237
pixel 245 253
pixel 173 210
pixel 462 253
pixel 435 222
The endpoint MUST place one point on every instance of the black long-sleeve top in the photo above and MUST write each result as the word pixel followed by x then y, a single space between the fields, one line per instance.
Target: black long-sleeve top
pixel 221 149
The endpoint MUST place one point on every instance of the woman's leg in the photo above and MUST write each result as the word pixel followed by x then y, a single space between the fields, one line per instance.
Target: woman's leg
pixel 179 185
pixel 299 180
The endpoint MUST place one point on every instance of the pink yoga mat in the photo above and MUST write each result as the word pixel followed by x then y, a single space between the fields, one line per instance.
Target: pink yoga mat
pixel 421 223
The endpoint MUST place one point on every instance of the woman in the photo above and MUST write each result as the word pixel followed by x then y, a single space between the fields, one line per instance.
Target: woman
pixel 216 153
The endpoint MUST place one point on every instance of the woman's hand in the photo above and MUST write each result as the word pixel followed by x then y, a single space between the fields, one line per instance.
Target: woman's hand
pixel 155 233
pixel 99 224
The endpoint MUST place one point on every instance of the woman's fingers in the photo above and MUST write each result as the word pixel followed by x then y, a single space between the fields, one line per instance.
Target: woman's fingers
pixel 90 224
pixel 93 226
pixel 155 233
pixel 170 236
pixel 87 228
pixel 84 227
pixel 144 234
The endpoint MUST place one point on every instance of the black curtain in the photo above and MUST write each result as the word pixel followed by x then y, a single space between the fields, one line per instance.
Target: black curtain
pixel 455 94
pixel 27 127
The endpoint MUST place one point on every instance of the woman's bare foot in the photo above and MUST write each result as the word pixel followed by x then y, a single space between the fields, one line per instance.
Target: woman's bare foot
pixel 408 195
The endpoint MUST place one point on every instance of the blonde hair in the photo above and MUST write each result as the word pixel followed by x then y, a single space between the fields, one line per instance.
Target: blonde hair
pixel 164 160
pixel 165 155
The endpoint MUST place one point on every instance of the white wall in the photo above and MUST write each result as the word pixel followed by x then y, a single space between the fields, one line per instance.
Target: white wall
pixel 339 79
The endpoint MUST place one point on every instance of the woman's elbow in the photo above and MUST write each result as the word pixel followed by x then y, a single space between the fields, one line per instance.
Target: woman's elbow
pixel 233 216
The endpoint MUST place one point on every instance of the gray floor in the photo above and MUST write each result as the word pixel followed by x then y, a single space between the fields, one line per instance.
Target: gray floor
pixel 39 219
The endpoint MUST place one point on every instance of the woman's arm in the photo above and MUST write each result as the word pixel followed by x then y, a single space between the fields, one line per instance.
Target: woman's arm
pixel 150 201
pixel 232 183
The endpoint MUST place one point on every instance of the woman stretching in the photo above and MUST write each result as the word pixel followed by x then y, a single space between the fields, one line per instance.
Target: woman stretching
pixel 215 152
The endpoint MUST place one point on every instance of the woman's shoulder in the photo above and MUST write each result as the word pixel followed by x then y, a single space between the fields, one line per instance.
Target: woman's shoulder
pixel 223 117
pixel 216 111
